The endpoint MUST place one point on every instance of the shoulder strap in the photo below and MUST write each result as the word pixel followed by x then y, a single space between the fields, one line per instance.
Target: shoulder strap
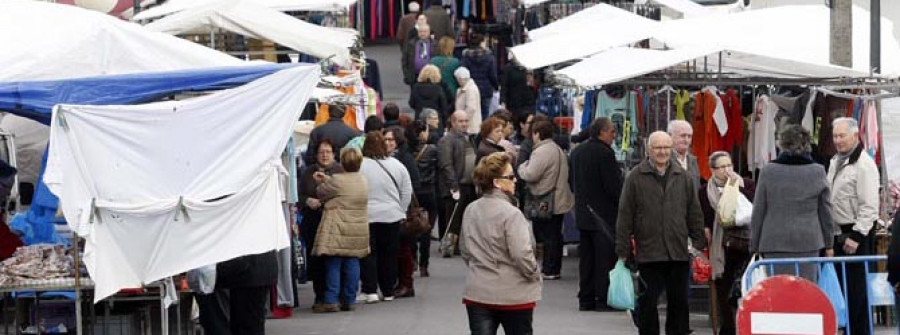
pixel 415 201
pixel 558 171
pixel 421 152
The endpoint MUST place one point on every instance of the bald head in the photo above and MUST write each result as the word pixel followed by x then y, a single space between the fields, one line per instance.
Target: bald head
pixel 459 120
pixel 659 145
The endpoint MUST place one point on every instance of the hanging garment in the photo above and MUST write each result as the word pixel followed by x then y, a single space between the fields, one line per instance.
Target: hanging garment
pixel 731 101
pixel 163 188
pixel 623 113
pixel 708 123
pixel 762 147
pixel 827 109
pixel 868 130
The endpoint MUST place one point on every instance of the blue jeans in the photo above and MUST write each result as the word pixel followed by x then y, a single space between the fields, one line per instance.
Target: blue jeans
pixel 341 277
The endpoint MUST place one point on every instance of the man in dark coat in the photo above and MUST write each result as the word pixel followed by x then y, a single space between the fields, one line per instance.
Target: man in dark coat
pixel 440 22
pixel 335 130
pixel 417 53
pixel 597 179
pixel 659 208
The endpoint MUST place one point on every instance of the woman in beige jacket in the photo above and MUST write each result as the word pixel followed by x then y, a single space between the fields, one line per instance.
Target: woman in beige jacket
pixel 547 170
pixel 468 99
pixel 343 236
pixel 503 283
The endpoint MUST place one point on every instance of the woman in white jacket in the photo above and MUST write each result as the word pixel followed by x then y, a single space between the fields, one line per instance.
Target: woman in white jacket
pixel 390 191
pixel 468 99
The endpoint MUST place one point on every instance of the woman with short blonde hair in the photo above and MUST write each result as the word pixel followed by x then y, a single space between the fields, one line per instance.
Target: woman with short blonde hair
pixel 428 92
pixel 430 74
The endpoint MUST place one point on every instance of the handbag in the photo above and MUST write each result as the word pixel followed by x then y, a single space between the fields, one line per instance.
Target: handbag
pixel 540 207
pixel 416 222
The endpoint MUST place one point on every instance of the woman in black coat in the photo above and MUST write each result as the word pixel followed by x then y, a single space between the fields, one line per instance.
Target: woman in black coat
pixel 426 157
pixel 428 92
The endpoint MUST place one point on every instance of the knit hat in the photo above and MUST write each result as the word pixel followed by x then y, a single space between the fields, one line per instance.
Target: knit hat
pixel 462 73
pixel 413 7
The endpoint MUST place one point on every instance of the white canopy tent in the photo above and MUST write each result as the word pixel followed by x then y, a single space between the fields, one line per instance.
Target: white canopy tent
pixel 597 18
pixel 619 64
pixel 760 32
pixel 174 6
pixel 47 41
pixel 250 19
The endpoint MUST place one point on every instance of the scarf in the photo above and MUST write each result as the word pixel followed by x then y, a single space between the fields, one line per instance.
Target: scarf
pixel 717 245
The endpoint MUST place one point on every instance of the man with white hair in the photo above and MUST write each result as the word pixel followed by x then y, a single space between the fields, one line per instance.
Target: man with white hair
pixel 854 180
pixel 418 52
pixel 659 208
pixel 682 134
pixel 407 23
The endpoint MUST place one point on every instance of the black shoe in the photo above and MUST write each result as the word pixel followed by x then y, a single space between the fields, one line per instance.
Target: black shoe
pixel 586 307
pixel 604 308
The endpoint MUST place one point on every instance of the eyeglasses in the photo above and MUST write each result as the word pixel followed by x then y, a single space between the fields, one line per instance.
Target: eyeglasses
pixel 508 177
pixel 723 166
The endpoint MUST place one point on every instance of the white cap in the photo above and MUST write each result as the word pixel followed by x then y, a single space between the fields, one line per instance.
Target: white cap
pixel 413 7
pixel 462 73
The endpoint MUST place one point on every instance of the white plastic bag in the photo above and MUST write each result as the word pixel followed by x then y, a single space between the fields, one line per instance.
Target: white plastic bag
pixel 495 103
pixel 744 211
pixel 880 291
pixel 202 279
pixel 728 203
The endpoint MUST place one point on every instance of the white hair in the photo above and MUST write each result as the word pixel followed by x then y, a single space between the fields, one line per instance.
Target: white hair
pixel 462 73
pixel 414 7
pixel 676 124
pixel 848 121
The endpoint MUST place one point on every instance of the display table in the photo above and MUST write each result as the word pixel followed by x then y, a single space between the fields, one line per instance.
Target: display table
pixel 83 291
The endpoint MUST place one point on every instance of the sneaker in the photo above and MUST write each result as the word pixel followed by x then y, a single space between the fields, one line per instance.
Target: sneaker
pixel 388 298
pixel 326 308
pixel 552 277
pixel 368 298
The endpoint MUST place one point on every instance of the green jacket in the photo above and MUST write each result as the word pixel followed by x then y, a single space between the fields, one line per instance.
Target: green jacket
pixel 447 65
pixel 660 219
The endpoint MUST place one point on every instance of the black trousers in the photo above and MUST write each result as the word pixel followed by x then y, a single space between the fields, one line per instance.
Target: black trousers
pixel 670 277
pixel 550 233
pixel 735 263
pixel 466 196
pixel 235 311
pixel 597 257
pixel 379 268
pixel 427 201
pixel 484 321
pixel 857 291
pixel 315 265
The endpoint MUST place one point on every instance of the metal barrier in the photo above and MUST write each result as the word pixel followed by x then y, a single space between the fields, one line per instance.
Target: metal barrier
pixel 770 263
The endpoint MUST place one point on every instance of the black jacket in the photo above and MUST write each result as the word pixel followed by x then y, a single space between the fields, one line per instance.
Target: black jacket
pixel 402 154
pixel 893 252
pixel 597 180
pixel 427 163
pixel 334 130
pixel 483 69
pixel 408 59
pixel 486 148
pixel 428 95
pixel 514 90
pixel 452 160
pixel 248 271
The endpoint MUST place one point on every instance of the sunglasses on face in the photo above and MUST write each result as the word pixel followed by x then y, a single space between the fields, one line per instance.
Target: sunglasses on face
pixel 508 177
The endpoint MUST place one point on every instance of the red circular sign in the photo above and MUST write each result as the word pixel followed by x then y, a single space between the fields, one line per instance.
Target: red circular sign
pixel 786 305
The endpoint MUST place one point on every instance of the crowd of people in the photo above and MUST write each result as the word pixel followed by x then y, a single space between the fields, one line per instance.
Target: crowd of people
pixel 497 181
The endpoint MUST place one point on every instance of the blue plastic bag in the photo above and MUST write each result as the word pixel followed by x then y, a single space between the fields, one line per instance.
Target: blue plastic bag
pixel 828 283
pixel 621 288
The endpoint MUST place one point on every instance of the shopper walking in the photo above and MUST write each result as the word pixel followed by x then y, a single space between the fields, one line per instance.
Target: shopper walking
pixel 396 143
pixel 491 135
pixel 682 134
pixel 515 92
pixel 597 179
pixel 344 232
pixel 447 64
pixel 503 283
pixel 334 130
pixel 433 120
pixel 854 181
pixel 426 157
pixel 418 53
pixel 311 208
pixel 792 214
pixel 468 100
pixel 390 192
pixel 428 92
pixel 407 24
pixel 440 21
pixel 659 209
pixel 456 162
pixel 483 66
pixel 729 248
pixel 547 172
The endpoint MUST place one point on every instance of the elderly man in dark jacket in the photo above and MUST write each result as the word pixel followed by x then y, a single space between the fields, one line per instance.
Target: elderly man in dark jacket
pixel 597 179
pixel 456 163
pixel 334 130
pixel 417 53
pixel 660 209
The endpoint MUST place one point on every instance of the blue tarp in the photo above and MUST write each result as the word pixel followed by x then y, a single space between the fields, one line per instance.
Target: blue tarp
pixel 35 100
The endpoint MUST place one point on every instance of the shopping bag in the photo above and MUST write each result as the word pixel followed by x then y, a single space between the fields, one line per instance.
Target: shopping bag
pixel 880 291
pixel 829 284
pixel 621 288
pixel 744 211
pixel 728 203
pixel 702 269
pixel 495 103
pixel 752 277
